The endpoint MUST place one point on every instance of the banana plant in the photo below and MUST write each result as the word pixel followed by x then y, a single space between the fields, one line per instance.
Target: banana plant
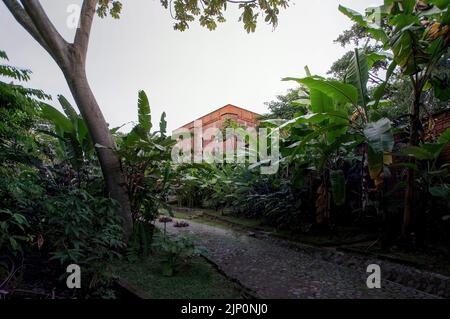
pixel 316 137
pixel 146 161
pixel 435 174
pixel 339 120
pixel 418 35
pixel 145 157
pixel 75 143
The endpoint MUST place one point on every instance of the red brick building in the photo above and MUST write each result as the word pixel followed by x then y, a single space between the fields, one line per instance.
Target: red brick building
pixel 218 118
pixel 442 123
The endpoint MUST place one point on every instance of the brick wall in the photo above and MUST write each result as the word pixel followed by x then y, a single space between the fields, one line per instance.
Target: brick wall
pixel 442 123
pixel 250 119
pixel 217 118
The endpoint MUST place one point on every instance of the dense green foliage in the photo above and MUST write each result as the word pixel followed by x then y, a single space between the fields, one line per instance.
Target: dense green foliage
pixel 175 253
pixel 354 151
pixel 146 162
pixel 50 207
pixel 342 160
pixel 285 106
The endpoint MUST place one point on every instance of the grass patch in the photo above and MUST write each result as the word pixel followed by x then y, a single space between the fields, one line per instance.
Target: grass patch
pixel 199 280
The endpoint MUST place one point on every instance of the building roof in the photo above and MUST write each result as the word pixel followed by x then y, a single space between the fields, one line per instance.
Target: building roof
pixel 220 108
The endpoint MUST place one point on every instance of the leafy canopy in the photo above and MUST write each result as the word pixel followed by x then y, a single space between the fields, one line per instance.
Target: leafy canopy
pixel 208 12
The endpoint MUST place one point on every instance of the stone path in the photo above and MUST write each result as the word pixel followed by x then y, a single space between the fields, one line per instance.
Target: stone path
pixel 272 270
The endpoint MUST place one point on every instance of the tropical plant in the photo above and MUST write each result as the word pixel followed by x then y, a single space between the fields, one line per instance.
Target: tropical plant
pixel 339 121
pixel 19 159
pixel 75 143
pixel 417 33
pixel 71 59
pixel 146 162
pixel 14 228
pixel 432 178
pixel 46 214
pixel 176 252
pixel 285 106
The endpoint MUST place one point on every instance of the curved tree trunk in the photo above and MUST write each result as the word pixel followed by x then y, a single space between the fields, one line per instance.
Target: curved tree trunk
pixel 105 146
pixel 71 58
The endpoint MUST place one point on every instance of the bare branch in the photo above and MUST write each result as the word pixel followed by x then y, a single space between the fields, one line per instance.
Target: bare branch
pixel 84 30
pixel 47 30
pixel 25 21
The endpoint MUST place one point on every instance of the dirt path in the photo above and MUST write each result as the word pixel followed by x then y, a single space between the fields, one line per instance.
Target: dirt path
pixel 273 270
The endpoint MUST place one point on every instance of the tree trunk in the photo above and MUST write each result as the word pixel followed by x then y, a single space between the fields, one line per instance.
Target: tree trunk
pixel 410 194
pixel 71 58
pixel 75 75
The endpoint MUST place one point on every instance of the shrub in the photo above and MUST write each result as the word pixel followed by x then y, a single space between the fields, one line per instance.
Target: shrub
pixel 176 252
pixel 81 228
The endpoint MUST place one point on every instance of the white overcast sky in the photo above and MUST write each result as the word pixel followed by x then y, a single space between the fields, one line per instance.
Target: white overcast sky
pixel 191 73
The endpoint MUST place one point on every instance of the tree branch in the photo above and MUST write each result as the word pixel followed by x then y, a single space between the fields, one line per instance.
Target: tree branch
pixel 47 30
pixel 81 41
pixel 241 1
pixel 25 21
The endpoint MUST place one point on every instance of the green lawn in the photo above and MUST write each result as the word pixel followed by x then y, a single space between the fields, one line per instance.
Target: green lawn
pixel 199 281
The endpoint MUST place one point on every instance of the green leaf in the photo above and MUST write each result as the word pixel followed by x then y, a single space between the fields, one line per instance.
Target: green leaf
pixel 445 137
pixel 316 118
pixel 320 102
pixel 379 135
pixel 338 91
pixel 435 149
pixel 441 90
pixel 62 124
pixel 379 91
pixel 83 135
pixel 375 57
pixel 408 50
pixel 145 118
pixel 375 161
pixel 441 4
pixel 337 180
pixel 416 152
pixel 163 124
pixel 381 140
pixel 442 191
pixel 424 152
pixel 14 244
pixel 20 219
pixel 377 32
pixel 358 75
pixel 3 55
pixel 68 109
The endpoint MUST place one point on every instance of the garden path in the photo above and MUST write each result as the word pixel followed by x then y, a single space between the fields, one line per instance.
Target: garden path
pixel 271 269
